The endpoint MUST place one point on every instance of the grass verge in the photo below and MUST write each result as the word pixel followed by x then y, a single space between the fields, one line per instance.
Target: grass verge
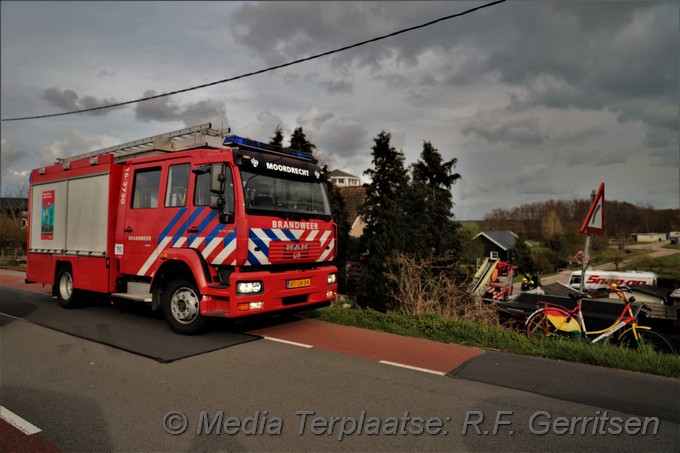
pixel 664 266
pixel 12 263
pixel 446 330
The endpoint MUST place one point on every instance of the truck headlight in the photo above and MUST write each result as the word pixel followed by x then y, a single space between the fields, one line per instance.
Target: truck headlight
pixel 332 279
pixel 249 287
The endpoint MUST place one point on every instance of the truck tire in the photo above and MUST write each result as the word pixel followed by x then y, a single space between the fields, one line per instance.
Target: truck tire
pixel 66 294
pixel 181 307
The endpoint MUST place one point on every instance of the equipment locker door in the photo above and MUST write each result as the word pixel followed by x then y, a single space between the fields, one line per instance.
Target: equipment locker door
pixel 156 215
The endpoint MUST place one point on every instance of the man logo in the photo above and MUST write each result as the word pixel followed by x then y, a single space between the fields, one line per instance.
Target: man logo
pixel 297 247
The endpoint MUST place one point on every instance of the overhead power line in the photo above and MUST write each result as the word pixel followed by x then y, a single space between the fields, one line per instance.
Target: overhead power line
pixel 261 71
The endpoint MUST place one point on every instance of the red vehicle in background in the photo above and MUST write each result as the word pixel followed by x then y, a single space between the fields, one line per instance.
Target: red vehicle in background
pixel 195 223
pixel 493 280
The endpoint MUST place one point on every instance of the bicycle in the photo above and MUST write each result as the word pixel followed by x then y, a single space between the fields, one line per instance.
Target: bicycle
pixel 556 321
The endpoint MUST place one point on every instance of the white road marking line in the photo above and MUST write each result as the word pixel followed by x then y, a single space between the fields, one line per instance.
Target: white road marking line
pixel 18 422
pixel 401 365
pixel 278 340
pixel 13 317
pixel 384 362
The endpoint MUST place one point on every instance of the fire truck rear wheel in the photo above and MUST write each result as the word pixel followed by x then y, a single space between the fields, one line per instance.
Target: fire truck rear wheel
pixel 181 307
pixel 66 294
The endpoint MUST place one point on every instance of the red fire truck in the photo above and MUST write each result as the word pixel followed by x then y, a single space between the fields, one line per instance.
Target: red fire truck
pixel 193 222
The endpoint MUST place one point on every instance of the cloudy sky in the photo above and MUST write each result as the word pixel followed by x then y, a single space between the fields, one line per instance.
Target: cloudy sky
pixel 536 100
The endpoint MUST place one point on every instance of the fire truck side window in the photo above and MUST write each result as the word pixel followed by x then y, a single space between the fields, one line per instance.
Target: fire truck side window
pixel 145 192
pixel 229 190
pixel 178 183
pixel 202 190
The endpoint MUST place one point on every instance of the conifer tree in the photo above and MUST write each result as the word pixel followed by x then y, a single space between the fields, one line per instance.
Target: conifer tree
pixel 340 217
pixel 521 254
pixel 277 139
pixel 432 202
pixel 383 213
pixel 298 141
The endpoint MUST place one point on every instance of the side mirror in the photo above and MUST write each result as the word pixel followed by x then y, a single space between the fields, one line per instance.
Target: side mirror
pixel 216 201
pixel 201 170
pixel 217 178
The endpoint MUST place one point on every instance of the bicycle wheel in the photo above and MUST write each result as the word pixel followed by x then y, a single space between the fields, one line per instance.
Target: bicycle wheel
pixel 647 337
pixel 550 322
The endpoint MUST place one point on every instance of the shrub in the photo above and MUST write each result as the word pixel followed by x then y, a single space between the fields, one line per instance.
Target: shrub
pixel 434 286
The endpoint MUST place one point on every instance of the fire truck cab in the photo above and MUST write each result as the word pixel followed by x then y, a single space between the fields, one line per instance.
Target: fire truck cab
pixel 193 222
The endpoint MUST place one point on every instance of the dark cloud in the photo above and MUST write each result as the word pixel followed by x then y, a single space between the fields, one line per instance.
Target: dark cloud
pixel 339 87
pixel 105 73
pixel 393 80
pixel 536 180
pixel 343 137
pixel 621 58
pixel 625 57
pixel 166 109
pixel 429 80
pixel 571 90
pixel 579 137
pixel 340 137
pixel 11 154
pixel 502 128
pixel 205 112
pixel 90 102
pixel 159 109
pixel 63 99
pixel 594 156
pixel 68 100
pixel 281 31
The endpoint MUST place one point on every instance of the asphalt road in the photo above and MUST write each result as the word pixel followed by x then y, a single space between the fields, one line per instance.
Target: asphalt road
pixel 274 396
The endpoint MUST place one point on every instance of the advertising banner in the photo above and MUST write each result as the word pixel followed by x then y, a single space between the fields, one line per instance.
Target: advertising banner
pixel 47 218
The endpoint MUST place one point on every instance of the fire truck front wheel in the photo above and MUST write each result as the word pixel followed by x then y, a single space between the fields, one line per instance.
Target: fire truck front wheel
pixel 66 294
pixel 181 307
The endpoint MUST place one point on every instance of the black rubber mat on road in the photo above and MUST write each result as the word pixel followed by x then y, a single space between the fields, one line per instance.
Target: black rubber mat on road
pixel 125 326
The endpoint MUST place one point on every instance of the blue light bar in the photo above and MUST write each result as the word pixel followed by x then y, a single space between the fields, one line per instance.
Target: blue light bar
pixel 236 140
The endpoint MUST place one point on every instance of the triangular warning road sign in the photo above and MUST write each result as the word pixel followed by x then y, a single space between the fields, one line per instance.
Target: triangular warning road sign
pixel 594 223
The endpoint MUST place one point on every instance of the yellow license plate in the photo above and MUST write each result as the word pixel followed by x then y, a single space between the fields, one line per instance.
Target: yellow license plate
pixel 301 283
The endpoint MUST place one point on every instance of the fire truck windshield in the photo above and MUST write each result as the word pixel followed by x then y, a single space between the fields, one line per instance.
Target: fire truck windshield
pixel 269 195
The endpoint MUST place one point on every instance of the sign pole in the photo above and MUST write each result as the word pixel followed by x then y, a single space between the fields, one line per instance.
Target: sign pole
pixel 593 224
pixel 584 265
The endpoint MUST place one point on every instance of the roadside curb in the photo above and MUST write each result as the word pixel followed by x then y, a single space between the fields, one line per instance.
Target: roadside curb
pixel 10 268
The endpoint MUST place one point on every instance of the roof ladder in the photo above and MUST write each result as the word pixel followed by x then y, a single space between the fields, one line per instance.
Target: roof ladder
pixel 192 137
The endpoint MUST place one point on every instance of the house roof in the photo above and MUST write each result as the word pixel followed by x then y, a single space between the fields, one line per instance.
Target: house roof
pixel 503 239
pixel 340 173
pixel 353 198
